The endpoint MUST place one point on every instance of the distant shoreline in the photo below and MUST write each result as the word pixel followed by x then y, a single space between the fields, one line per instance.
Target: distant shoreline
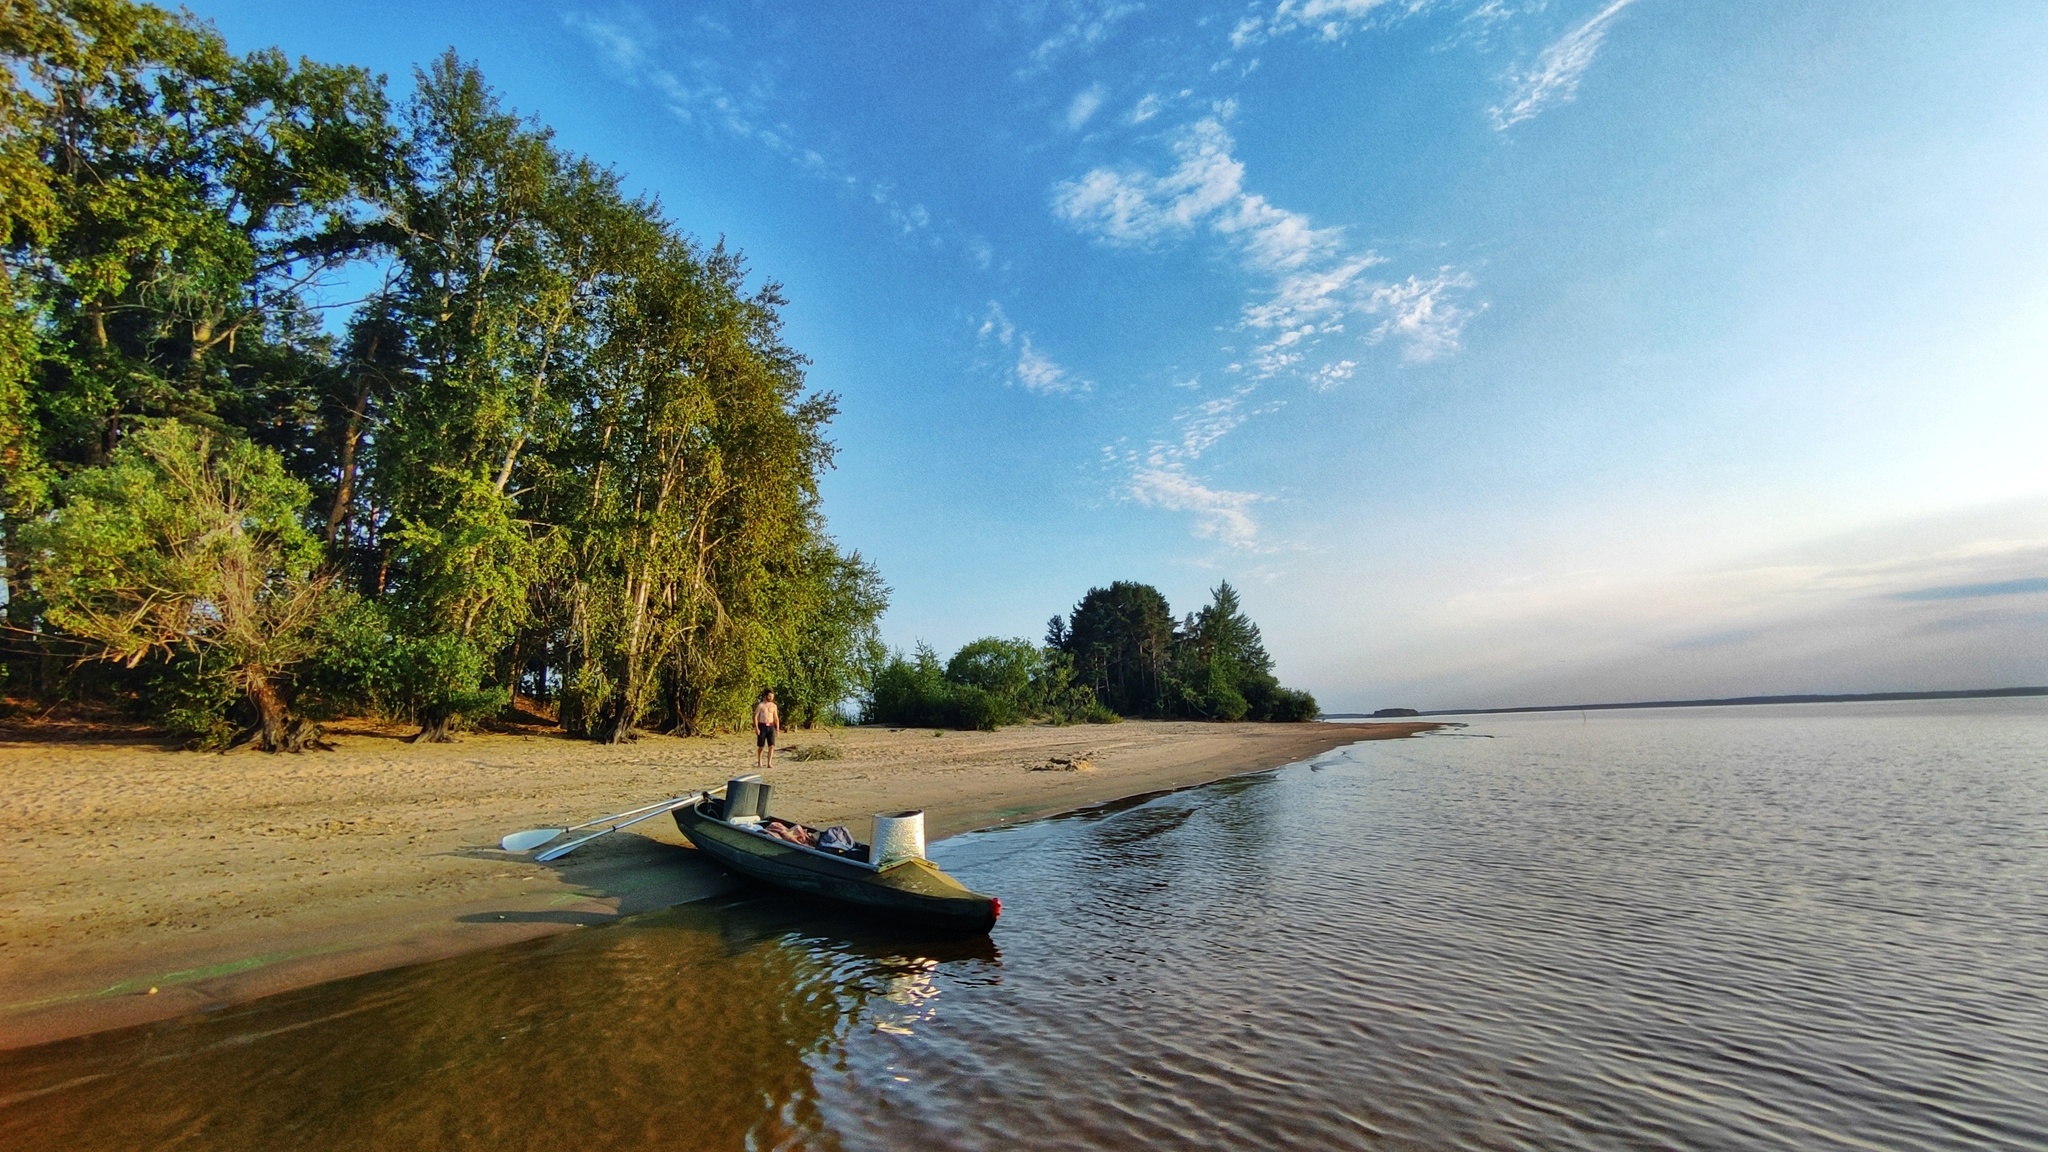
pixel 1731 701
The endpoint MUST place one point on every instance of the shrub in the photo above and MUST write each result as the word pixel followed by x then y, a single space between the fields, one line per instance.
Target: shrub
pixel 368 664
pixel 915 693
pixel 187 545
pixel 192 699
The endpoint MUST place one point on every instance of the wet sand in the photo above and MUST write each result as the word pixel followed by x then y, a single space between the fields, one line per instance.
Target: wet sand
pixel 214 879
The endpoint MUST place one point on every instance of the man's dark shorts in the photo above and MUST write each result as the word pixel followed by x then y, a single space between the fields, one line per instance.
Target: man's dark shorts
pixel 764 735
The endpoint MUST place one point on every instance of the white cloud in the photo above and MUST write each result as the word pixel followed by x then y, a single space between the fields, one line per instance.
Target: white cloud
pixel 1219 514
pixel 1146 108
pixel 1086 103
pixel 1332 374
pixel 1312 295
pixel 996 325
pixel 1555 77
pixel 1274 239
pixel 1026 365
pixel 622 47
pixel 1422 314
pixel 1205 424
pixel 698 90
pixel 1317 281
pixel 1038 373
pixel 1083 26
pixel 1134 207
pixel 1323 19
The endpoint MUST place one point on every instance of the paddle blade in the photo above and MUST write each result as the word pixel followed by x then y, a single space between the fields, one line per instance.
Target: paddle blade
pixel 529 840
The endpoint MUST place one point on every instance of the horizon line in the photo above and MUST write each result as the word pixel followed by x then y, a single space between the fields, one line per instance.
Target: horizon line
pixel 1728 701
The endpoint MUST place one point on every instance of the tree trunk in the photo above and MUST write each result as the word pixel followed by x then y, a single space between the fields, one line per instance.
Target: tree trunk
pixel 274 717
pixel 622 728
pixel 435 730
pixel 346 488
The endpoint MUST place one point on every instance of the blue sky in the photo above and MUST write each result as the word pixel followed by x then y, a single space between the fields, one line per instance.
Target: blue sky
pixel 1500 352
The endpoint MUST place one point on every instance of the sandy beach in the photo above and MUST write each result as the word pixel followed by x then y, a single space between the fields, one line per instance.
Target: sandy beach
pixel 140 884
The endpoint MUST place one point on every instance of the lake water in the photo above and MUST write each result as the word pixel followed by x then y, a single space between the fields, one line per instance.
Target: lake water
pixel 1818 926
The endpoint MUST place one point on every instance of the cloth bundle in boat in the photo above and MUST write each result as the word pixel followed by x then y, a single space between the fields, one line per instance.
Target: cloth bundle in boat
pixel 835 839
pixel 898 836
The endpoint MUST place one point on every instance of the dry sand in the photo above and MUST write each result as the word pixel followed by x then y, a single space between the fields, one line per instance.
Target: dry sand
pixel 212 879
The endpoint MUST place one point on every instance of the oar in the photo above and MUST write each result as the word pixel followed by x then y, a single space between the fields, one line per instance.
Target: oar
pixel 535 837
pixel 571 846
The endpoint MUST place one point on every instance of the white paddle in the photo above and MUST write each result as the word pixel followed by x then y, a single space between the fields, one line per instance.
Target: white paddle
pixel 535 837
pixel 667 807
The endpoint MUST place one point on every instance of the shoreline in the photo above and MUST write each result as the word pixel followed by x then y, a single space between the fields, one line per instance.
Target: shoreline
pixel 219 879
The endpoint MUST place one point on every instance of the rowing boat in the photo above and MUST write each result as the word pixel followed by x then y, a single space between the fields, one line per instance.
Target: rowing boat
pixel 908 888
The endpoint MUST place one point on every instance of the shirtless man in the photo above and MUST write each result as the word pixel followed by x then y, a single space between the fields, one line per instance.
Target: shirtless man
pixel 767 720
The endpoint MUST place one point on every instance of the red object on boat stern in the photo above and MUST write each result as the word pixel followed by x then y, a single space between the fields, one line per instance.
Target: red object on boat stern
pixel 995 907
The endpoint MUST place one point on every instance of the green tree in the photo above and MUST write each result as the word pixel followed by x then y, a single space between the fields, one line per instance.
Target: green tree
pixel 167 206
pixel 1220 659
pixel 561 440
pixel 916 692
pixel 1121 639
pixel 188 545
pixel 832 601
pixel 1010 671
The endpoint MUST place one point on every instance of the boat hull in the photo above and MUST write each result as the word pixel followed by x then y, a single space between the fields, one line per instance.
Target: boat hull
pixel 910 891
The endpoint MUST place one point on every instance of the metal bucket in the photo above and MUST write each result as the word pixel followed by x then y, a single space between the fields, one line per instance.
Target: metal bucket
pixel 898 836
pixel 746 799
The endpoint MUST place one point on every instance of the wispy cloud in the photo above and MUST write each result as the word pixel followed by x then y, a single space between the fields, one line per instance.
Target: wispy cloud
pixel 1423 313
pixel 1134 207
pixel 1555 77
pixel 697 90
pixel 1204 424
pixel 1082 25
pixel 1085 104
pixel 2023 587
pixel 1162 475
pixel 1323 19
pixel 1316 280
pixel 1219 514
pixel 1024 363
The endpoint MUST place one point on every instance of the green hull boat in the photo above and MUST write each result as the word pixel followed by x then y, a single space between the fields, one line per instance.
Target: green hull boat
pixel 911 890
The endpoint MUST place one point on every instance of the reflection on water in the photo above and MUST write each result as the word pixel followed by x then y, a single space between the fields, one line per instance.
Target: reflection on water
pixel 696 1027
pixel 1805 927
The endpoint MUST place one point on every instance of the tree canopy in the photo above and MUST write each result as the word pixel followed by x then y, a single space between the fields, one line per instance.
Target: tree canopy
pixel 1125 644
pixel 559 448
pixel 1119 653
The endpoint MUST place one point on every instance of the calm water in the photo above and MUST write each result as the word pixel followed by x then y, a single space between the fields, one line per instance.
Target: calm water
pixel 1807 927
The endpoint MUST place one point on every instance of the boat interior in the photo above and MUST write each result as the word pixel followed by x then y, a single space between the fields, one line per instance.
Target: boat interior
pixel 745 807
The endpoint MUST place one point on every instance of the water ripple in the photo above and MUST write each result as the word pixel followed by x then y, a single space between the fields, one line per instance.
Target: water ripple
pixel 1812 928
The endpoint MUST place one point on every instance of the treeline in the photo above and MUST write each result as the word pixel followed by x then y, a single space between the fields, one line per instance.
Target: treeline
pixel 553 445
pixel 1119 653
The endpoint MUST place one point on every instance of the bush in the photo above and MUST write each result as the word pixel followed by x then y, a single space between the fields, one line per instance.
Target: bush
pixel 1006 669
pixel 915 693
pixel 438 682
pixel 192 700
pixel 187 546
pixel 1290 705
pixel 366 664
